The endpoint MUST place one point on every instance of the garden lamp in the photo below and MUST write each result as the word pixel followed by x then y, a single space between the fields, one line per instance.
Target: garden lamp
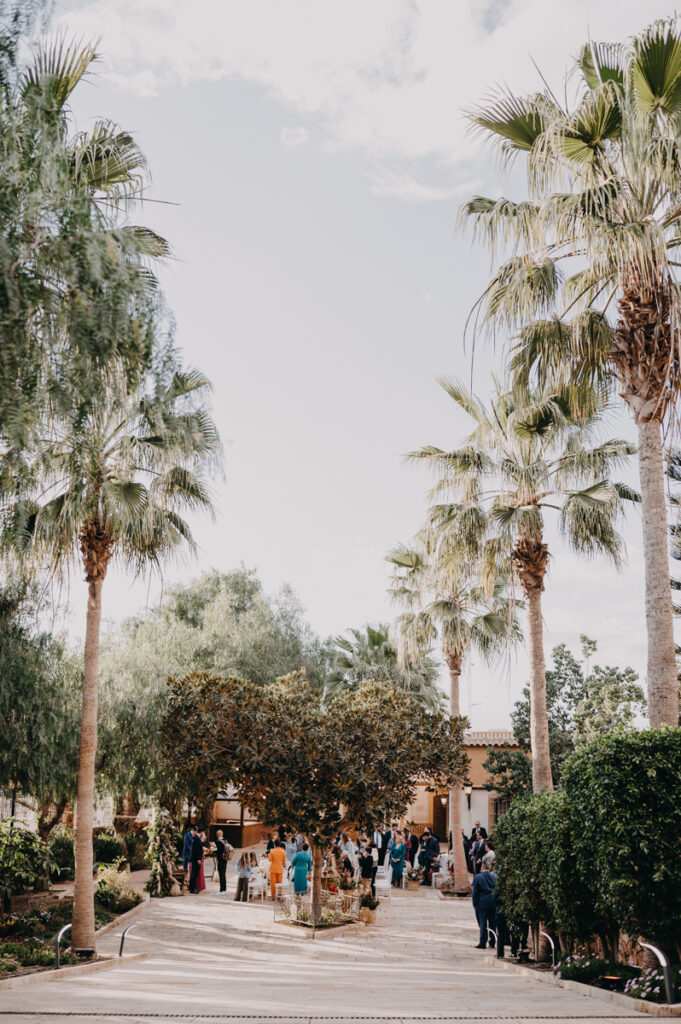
pixel 468 789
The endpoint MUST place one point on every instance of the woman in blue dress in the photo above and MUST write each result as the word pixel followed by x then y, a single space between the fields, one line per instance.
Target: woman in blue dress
pixel 397 855
pixel 302 865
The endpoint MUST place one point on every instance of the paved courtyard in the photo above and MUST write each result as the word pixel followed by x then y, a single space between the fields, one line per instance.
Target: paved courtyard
pixel 211 958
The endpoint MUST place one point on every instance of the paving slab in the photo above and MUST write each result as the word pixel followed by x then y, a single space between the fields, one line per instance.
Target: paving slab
pixel 210 958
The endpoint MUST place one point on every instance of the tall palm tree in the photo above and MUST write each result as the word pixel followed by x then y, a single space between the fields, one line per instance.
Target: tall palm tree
pixel 444 599
pixel 605 208
pixel 519 462
pixel 369 654
pixel 110 478
pixel 60 241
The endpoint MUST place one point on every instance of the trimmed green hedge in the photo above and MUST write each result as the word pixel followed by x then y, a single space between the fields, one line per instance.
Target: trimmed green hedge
pixel 602 853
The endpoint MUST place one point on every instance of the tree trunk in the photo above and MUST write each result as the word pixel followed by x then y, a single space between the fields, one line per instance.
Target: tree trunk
pixel 542 778
pixel 83 934
pixel 50 815
pixel 317 862
pixel 461 877
pixel 663 685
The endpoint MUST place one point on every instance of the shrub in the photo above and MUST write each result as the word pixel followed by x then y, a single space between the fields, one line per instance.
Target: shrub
pixel 581 967
pixel 136 843
pixel 519 883
pixel 24 858
pixel 650 985
pixel 113 891
pixel 369 901
pixel 61 845
pixel 624 790
pixel 108 848
pixel 30 954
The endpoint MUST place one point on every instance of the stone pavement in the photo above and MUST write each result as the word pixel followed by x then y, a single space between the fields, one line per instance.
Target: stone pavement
pixel 210 957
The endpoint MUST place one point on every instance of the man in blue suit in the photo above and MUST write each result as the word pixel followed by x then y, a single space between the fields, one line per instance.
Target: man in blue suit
pixel 485 903
pixel 187 849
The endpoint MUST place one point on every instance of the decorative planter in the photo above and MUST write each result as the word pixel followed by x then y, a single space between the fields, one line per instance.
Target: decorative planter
pixel 412 883
pixel 367 915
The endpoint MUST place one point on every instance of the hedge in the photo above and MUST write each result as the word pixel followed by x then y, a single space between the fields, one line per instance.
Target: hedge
pixel 602 853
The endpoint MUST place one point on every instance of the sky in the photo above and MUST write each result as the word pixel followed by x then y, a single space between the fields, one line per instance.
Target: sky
pixel 308 160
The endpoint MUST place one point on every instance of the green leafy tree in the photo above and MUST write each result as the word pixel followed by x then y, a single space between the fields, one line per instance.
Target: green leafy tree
pixel 580 704
pixel 444 599
pixel 39 708
pixel 220 622
pixel 111 479
pixel 523 460
pixel 623 794
pixel 317 766
pixel 603 209
pixel 369 654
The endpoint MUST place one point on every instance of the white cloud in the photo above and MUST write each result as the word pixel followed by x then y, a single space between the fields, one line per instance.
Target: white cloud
pixel 398 184
pixel 292 138
pixel 391 76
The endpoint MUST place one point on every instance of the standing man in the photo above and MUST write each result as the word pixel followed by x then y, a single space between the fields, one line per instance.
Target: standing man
pixel 412 845
pixel 223 853
pixel 386 843
pixel 187 852
pixel 196 857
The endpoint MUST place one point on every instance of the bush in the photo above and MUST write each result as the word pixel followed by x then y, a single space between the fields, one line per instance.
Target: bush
pixel 136 843
pixel 108 848
pixel 650 985
pixel 61 845
pixel 519 883
pixel 113 892
pixel 624 791
pixel 369 901
pixel 30 954
pixel 24 858
pixel 581 967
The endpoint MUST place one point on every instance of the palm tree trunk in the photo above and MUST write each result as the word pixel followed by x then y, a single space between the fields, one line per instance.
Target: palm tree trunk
pixel 461 878
pixel 83 935
pixel 542 778
pixel 663 686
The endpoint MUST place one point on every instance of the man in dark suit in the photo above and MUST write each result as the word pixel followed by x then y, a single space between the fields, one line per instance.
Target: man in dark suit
pixel 223 853
pixel 385 841
pixel 430 849
pixel 485 904
pixel 195 858
pixel 478 828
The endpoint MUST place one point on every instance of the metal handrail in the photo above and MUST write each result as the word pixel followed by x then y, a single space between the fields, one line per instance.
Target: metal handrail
pixel 490 931
pixel 56 944
pixel 125 932
pixel 553 948
pixel 666 971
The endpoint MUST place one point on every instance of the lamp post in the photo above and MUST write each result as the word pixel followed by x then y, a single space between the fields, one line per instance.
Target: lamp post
pixel 468 790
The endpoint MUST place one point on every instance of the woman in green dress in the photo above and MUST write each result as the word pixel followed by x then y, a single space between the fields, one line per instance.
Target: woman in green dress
pixel 302 865
pixel 397 855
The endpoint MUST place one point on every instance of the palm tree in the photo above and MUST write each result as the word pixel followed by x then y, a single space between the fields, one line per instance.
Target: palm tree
pixel 110 479
pixel 368 654
pixel 444 599
pixel 60 243
pixel 519 462
pixel 605 203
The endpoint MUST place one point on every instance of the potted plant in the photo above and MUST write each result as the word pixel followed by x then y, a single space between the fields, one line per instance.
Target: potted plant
pixel 347 884
pixel 414 877
pixel 367 908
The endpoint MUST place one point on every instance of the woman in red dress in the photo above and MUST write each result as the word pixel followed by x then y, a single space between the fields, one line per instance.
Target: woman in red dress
pixel 201 883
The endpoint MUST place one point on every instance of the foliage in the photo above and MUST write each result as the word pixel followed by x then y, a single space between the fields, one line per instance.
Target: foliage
pixel 24 858
pixel 220 622
pixel 369 654
pixel 315 766
pixel 136 845
pixel 108 848
pixel 581 967
pixel 14 955
pixel 113 890
pixel 162 853
pixel 650 985
pixel 581 703
pixel 369 901
pixel 623 790
pixel 62 852
pixel 39 702
pixel 519 888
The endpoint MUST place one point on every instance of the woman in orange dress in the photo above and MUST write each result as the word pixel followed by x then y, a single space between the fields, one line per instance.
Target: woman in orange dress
pixel 277 859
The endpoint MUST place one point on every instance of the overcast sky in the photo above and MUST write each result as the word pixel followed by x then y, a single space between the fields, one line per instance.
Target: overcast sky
pixel 317 155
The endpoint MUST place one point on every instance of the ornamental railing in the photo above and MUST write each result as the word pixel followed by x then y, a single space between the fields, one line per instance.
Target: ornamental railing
pixel 333 909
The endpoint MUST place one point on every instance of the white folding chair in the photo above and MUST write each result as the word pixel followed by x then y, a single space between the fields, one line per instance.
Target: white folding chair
pixel 283 888
pixel 435 875
pixel 382 884
pixel 256 884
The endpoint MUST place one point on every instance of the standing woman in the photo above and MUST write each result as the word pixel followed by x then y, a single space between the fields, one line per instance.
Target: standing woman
pixel 243 878
pixel 398 852
pixel 277 859
pixel 302 865
pixel 201 883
